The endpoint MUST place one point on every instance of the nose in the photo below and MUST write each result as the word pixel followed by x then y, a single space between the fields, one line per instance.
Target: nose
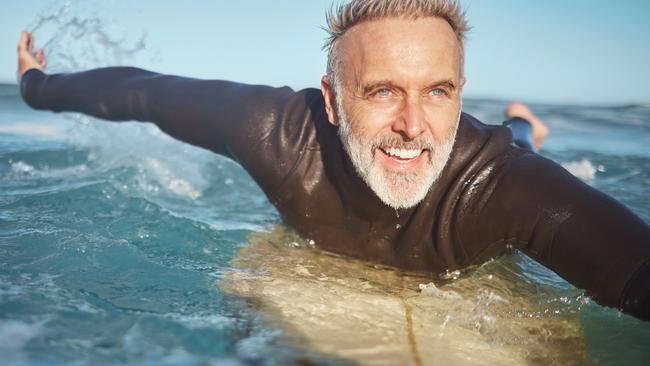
pixel 410 123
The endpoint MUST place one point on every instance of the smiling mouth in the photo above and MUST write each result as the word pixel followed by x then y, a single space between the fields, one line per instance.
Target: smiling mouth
pixel 404 155
pixel 402 160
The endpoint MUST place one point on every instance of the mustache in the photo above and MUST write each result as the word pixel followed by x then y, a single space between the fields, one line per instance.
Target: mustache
pixel 422 142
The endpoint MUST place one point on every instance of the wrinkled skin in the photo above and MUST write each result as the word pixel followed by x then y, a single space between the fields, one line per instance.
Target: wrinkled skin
pixel 398 103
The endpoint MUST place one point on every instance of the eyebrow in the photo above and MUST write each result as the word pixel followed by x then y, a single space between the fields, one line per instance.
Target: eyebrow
pixel 448 83
pixel 390 84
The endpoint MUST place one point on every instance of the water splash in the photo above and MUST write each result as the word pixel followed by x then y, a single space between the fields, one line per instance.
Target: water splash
pixel 430 289
pixel 583 169
pixel 77 38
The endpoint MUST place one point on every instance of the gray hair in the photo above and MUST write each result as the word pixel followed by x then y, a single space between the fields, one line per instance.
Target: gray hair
pixel 344 16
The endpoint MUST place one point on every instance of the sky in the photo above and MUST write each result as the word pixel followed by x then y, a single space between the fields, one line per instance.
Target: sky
pixel 553 51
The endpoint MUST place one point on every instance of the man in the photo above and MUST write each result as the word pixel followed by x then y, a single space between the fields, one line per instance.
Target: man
pixel 381 164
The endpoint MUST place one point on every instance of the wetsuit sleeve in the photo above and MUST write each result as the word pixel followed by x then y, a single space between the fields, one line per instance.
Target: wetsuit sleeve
pixel 225 117
pixel 585 236
pixel 522 133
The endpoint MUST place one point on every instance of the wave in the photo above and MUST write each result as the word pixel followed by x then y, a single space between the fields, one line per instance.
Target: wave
pixel 33 130
pixel 583 169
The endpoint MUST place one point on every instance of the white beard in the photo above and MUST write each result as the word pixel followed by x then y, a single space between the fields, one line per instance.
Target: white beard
pixel 396 189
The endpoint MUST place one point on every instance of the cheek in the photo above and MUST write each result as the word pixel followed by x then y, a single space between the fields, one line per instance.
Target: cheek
pixel 443 122
pixel 370 120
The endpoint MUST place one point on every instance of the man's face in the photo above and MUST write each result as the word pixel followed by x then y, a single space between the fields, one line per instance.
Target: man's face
pixel 398 104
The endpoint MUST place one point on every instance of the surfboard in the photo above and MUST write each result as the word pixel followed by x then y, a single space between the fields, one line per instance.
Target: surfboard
pixel 356 311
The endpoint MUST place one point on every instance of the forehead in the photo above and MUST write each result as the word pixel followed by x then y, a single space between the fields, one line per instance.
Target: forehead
pixel 397 48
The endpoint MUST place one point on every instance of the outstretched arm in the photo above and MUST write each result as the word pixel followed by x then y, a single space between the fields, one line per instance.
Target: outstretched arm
pixel 217 115
pixel 600 244
pixel 583 235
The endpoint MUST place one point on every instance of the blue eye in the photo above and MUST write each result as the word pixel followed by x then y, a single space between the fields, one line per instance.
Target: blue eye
pixel 384 92
pixel 438 92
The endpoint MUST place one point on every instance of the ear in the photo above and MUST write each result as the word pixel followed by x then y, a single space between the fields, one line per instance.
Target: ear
pixel 327 89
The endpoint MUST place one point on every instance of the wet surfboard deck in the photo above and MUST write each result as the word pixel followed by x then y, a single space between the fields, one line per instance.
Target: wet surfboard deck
pixel 355 311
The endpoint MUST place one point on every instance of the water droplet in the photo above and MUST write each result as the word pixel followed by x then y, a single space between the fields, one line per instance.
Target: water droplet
pixel 450 275
pixel 398 226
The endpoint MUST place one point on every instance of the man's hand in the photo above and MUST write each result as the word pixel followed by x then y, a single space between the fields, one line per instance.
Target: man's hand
pixel 27 59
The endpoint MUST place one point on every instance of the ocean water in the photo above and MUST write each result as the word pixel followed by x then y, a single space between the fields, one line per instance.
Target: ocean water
pixel 120 245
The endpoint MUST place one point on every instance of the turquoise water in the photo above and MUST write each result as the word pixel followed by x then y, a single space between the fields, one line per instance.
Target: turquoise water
pixel 114 239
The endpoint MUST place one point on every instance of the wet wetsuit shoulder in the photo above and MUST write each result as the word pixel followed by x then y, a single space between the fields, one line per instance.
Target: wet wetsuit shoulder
pixel 519 198
pixel 587 237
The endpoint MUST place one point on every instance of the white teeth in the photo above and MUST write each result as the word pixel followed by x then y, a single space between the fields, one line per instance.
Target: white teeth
pixel 403 153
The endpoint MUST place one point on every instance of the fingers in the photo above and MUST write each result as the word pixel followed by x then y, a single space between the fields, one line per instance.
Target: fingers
pixel 22 43
pixel 27 59
pixel 30 42
pixel 39 55
pixel 26 42
pixel 40 58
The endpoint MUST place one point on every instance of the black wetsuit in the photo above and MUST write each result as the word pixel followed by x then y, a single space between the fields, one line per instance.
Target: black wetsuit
pixel 491 195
